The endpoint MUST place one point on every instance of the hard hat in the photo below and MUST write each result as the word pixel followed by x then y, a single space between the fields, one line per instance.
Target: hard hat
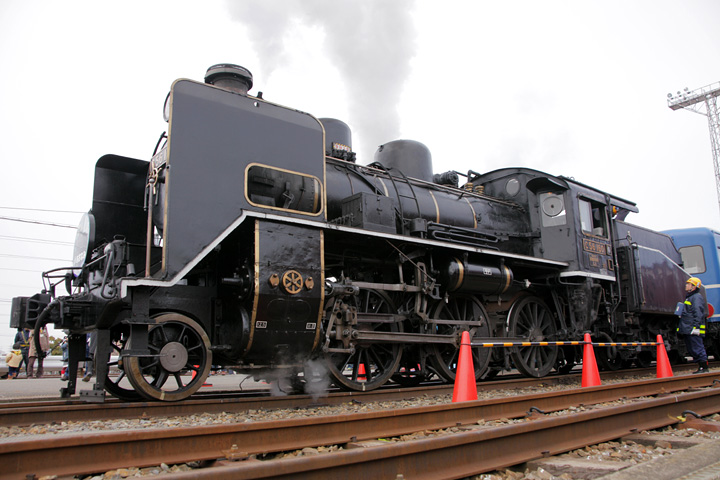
pixel 694 281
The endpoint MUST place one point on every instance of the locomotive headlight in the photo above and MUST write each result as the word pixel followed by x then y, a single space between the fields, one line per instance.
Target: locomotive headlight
pixel 84 239
pixel 166 108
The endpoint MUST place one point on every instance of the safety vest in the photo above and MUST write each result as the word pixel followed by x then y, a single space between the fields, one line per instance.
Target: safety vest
pixel 701 327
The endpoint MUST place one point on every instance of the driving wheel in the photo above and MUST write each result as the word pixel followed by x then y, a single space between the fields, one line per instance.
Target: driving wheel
pixel 531 320
pixel 179 362
pixel 371 364
pixel 460 308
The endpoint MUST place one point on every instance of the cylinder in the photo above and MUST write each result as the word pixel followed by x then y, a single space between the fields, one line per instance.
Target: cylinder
pixel 465 277
pixel 408 156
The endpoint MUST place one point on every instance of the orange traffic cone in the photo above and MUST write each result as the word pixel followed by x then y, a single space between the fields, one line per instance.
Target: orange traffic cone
pixel 194 374
pixel 361 372
pixel 663 362
pixel 465 387
pixel 590 374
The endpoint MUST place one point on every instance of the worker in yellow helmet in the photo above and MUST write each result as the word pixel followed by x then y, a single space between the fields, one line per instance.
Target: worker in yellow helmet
pixel 692 323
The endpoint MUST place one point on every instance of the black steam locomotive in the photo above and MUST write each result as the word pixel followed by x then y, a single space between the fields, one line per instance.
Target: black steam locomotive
pixel 253 241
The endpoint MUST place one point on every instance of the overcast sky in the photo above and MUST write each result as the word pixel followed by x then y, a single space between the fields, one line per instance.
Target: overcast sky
pixel 576 88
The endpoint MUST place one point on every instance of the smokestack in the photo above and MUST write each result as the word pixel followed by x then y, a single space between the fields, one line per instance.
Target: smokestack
pixel 227 76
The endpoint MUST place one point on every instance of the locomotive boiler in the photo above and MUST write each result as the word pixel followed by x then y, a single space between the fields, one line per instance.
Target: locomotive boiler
pixel 253 240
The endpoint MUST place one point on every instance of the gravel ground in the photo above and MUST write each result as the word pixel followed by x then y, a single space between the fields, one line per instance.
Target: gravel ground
pixel 227 418
pixel 610 451
pixel 629 452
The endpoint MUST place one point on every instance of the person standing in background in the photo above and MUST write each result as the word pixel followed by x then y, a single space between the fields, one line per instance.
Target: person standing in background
pixel 90 355
pixel 22 343
pixel 39 355
pixel 13 361
pixel 64 348
pixel 692 323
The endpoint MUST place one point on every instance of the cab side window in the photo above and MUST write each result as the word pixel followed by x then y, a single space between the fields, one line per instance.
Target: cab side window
pixel 592 218
pixel 283 189
pixel 693 259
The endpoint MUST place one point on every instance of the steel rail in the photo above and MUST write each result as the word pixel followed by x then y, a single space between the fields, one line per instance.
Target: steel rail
pixel 482 450
pixel 42 412
pixel 93 452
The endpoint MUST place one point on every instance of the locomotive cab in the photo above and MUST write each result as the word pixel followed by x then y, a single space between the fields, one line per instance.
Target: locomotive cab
pixel 571 219
pixel 621 281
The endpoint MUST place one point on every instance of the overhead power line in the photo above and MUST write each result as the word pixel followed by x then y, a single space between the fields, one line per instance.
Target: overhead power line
pixel 40 210
pixel 34 240
pixel 14 285
pixel 8 255
pixel 39 222
pixel 38 270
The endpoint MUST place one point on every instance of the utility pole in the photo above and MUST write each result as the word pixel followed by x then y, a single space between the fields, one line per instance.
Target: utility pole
pixel 694 101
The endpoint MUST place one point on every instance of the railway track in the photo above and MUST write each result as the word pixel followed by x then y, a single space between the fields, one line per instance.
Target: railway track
pixel 459 431
pixel 44 411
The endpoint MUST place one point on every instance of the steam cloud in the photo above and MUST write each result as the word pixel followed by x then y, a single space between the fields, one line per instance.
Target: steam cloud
pixel 315 380
pixel 371 42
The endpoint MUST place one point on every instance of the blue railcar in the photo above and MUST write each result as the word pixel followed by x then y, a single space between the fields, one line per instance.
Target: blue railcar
pixel 699 250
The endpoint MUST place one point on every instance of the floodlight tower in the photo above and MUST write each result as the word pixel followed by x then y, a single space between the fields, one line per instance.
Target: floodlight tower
pixel 694 101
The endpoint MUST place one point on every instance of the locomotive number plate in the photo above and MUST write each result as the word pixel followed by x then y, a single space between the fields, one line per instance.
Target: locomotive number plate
pixel 261 324
pixel 595 247
pixel 310 326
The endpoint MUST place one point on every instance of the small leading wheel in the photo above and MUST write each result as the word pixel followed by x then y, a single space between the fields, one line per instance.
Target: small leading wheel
pixel 179 347
pixel 410 372
pixel 531 320
pixel 566 359
pixel 119 386
pixel 610 357
pixel 643 359
pixel 460 308
pixel 372 364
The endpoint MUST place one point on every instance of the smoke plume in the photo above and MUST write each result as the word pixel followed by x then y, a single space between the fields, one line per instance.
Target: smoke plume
pixel 370 42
